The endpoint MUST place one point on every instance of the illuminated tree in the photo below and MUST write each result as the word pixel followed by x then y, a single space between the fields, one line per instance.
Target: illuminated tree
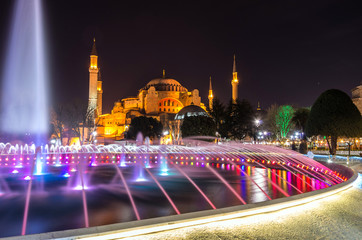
pixel 334 115
pixel 283 120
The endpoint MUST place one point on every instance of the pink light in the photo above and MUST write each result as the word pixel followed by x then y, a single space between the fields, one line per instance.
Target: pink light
pixel 128 192
pixel 163 190
pixel 193 183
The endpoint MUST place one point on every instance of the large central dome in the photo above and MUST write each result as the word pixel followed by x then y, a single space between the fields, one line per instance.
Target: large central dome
pixel 165 84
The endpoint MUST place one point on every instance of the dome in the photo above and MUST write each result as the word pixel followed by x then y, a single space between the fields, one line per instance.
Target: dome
pixel 165 84
pixel 190 111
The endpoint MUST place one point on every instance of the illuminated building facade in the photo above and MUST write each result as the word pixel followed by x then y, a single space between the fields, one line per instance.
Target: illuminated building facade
pixel 95 85
pixel 161 98
pixel 211 96
pixel 234 83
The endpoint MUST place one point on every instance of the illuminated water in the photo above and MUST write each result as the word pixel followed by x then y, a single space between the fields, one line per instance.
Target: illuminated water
pixel 96 185
pixel 25 112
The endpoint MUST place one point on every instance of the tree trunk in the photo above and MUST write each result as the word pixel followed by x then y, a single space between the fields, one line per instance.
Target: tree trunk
pixel 329 146
pixel 333 145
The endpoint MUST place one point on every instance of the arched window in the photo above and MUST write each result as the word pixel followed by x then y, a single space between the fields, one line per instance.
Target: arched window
pixel 172 104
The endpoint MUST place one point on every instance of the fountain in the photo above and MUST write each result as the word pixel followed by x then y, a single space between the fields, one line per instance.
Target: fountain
pixel 24 103
pixel 88 181
pixel 51 188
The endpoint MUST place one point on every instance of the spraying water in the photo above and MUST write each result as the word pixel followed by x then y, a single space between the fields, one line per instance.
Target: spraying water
pixel 24 83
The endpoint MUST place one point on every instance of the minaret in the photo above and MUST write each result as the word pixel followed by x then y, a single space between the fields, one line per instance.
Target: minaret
pixel 234 83
pixel 99 94
pixel 211 96
pixel 258 108
pixel 93 80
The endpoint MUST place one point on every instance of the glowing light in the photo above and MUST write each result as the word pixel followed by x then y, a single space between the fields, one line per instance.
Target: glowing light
pixel 259 213
pixel 27 178
pixel 79 187
pixel 141 179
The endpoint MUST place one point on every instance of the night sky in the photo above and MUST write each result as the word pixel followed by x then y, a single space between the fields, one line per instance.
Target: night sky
pixel 288 52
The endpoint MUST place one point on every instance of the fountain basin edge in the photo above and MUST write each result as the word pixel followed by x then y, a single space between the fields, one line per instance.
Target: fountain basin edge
pixel 154 225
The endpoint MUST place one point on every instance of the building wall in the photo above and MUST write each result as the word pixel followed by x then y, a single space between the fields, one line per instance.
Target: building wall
pixel 167 100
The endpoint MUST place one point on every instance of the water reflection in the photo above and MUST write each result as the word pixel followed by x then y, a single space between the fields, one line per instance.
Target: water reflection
pixel 108 201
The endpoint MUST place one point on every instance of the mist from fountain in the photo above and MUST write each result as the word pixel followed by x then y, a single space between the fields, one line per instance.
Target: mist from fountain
pixel 25 111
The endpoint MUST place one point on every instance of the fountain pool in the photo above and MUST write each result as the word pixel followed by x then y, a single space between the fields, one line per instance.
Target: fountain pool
pixel 55 188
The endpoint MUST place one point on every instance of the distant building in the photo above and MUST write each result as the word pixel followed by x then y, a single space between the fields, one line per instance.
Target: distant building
pixel 357 97
pixel 161 98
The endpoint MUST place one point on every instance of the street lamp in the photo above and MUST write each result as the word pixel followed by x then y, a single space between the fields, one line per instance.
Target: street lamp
pixel 257 124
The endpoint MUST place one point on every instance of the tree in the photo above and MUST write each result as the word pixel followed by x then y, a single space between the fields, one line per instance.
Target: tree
pixel 79 117
pixel 239 120
pixel 300 118
pixel 270 122
pixel 283 120
pixel 198 126
pixel 57 120
pixel 334 115
pixel 218 114
pixel 148 126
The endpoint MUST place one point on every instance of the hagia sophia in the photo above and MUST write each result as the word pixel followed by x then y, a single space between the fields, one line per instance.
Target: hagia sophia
pixel 161 98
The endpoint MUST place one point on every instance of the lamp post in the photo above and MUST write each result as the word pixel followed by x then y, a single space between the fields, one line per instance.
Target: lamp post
pixel 257 124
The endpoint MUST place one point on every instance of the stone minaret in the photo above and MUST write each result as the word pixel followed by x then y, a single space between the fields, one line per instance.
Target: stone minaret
pixel 211 96
pixel 93 80
pixel 258 108
pixel 234 83
pixel 99 94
